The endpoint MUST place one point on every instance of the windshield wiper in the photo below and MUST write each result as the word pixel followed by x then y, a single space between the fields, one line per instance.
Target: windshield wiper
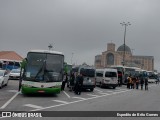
pixel 40 70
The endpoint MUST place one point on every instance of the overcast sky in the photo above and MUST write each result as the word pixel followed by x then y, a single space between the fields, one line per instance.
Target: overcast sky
pixel 81 27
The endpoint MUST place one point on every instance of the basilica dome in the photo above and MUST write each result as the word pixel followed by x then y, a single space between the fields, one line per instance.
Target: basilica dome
pixel 121 49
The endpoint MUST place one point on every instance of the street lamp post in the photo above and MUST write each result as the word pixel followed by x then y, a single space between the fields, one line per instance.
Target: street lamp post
pixel 50 46
pixel 125 25
pixel 72 58
pixel 132 57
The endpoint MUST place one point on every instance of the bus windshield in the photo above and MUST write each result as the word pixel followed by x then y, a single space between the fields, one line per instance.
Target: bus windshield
pixel 44 67
pixel 129 71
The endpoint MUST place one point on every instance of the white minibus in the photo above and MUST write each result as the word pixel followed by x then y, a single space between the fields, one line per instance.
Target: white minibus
pixel 107 77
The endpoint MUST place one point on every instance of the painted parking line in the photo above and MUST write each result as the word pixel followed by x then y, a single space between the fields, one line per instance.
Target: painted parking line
pixel 33 106
pixel 103 93
pixel 98 90
pixel 14 91
pixel 110 90
pixel 64 102
pixel 66 94
pixel 119 90
pixel 114 92
pixel 9 101
pixel 152 85
pixel 92 95
pixel 81 99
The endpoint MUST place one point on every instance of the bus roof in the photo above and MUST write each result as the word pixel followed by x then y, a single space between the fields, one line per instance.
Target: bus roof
pixel 46 51
pixel 121 66
pixel 107 70
pixel 83 66
pixel 117 66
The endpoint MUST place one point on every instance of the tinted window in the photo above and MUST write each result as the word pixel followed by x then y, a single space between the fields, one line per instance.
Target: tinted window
pixel 110 74
pixel 17 64
pixel 130 71
pixel 75 69
pixel 87 72
pixel 153 77
pixel 99 74
pixel 44 67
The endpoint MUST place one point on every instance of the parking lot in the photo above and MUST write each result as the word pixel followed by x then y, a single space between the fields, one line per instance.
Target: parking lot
pixel 11 99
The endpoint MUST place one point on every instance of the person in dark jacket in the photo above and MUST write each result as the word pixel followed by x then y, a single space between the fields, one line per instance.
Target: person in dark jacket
pixel 72 79
pixel 137 82
pixel 146 83
pixel 65 79
pixel 141 82
pixel 79 84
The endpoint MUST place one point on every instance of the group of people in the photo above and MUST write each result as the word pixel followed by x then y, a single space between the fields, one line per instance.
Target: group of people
pixel 133 82
pixel 76 82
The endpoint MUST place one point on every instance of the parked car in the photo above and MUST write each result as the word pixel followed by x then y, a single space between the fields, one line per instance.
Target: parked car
pixel 14 74
pixel 151 80
pixel 4 76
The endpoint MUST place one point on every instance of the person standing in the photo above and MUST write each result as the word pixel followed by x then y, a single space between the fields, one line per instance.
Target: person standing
pixel 79 84
pixel 157 80
pixel 129 82
pixel 137 82
pixel 141 82
pixel 119 82
pixel 65 79
pixel 72 79
pixel 146 83
pixel 132 82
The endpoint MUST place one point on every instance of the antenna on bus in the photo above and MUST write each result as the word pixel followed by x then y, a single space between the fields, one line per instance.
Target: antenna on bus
pixel 50 46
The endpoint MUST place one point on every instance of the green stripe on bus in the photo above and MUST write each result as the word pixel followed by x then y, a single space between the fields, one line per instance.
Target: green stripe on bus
pixel 29 90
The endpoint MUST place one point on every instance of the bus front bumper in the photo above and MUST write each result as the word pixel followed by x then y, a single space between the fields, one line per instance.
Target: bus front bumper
pixel 31 90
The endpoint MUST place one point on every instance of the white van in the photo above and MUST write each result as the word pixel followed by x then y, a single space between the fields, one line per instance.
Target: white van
pixel 107 77
pixel 88 73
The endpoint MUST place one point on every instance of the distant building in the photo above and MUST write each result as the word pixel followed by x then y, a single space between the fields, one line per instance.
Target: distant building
pixel 9 60
pixel 113 57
